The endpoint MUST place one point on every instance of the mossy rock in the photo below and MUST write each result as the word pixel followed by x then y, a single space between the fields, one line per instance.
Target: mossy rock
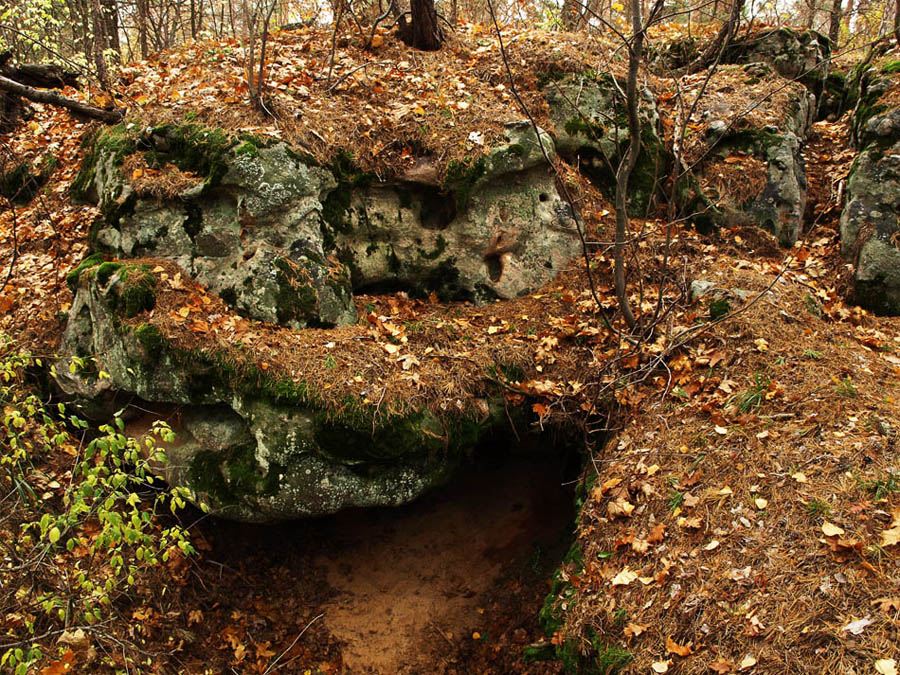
pixel 22 182
pixel 252 445
pixel 595 134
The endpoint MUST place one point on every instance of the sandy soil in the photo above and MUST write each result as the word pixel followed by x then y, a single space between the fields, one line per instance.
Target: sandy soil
pixel 404 590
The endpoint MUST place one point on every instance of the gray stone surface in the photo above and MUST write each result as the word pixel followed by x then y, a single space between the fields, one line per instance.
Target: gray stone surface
pixel 870 234
pixel 237 450
pixel 591 126
pixel 285 241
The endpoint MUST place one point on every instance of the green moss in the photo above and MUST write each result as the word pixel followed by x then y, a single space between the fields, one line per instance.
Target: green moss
pixel 115 141
pixel 545 78
pixel 352 437
pixel 150 339
pixel 892 67
pixel 190 147
pixel 602 658
pixel 227 477
pixel 461 177
pixel 246 149
pixel 16 184
pixel 106 270
pixel 336 206
pixel 297 298
pixel 136 289
pixel 585 127
pixel 91 261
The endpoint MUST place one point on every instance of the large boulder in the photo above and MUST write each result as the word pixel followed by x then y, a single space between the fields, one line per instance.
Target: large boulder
pixel 285 240
pixel 800 55
pixel 493 227
pixel 797 55
pixel 743 151
pixel 251 445
pixel 870 234
pixel 591 128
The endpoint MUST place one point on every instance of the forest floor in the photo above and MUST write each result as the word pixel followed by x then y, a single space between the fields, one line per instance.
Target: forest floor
pixel 744 517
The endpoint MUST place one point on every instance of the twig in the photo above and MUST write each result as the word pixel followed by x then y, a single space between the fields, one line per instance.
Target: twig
pixel 272 665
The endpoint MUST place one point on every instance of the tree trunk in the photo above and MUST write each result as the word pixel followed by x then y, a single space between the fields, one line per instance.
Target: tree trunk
pixel 424 31
pixel 723 38
pixel 17 89
pixel 570 14
pixel 626 166
pixel 142 11
pixel 111 24
pixel 834 24
pixel 100 43
pixel 897 22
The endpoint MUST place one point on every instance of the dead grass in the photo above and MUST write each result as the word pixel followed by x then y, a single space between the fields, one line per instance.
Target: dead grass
pixel 742 100
pixel 166 182
pixel 387 106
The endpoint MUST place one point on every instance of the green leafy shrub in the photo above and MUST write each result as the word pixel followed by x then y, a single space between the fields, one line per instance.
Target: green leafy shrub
pixel 76 548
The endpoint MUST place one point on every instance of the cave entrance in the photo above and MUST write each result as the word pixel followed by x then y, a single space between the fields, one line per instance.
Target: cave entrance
pixel 453 582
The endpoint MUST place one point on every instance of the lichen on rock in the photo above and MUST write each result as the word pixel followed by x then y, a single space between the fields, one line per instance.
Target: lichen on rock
pixel 869 222
pixel 251 445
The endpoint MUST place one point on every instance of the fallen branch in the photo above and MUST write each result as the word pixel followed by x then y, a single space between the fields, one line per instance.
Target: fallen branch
pixel 77 107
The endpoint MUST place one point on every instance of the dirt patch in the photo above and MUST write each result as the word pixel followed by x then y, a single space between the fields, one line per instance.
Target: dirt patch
pixel 453 580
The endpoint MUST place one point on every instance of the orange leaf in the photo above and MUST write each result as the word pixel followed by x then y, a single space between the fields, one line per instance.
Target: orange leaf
pixel 656 534
pixel 675 648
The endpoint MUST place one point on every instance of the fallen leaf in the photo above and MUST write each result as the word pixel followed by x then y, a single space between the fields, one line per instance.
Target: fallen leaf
pixel 891 536
pixel 747 662
pixel 74 638
pixel 625 577
pixel 721 666
pixel 673 647
pixel 832 530
pixel 858 626
pixel 690 523
pixel 886 666
pixel 711 545
pixel 633 629
pixel 660 666
pixel 799 477
pixel 620 507
pixel 887 604
pixel 760 503
pixel 656 533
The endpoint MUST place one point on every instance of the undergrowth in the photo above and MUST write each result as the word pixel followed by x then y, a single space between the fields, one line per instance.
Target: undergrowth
pixel 81 538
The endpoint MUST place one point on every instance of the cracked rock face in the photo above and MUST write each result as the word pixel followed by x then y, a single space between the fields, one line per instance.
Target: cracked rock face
pixel 748 173
pixel 250 446
pixel 870 234
pixel 285 241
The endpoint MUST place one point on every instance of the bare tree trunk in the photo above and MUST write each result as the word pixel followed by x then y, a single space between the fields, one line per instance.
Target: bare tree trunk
pixel 111 24
pixel 570 14
pixel 142 11
pixel 723 38
pixel 193 19
pixel 424 31
pixel 626 166
pixel 897 22
pixel 100 44
pixel 834 24
pixel 811 14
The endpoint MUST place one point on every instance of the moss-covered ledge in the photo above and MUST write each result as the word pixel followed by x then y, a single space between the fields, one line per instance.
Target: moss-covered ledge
pixel 252 443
